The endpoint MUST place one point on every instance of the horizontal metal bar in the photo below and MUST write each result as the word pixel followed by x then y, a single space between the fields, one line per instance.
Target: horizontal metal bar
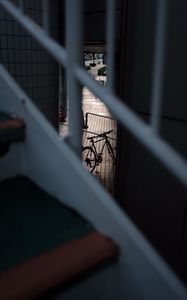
pixel 142 132
pixel 98 115
pixel 92 114
pixel 56 50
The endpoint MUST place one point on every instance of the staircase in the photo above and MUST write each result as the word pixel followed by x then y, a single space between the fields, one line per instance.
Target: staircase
pixel 57 223
pixel 44 244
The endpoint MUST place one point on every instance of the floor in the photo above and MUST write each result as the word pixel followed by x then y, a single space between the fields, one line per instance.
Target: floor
pixel 98 120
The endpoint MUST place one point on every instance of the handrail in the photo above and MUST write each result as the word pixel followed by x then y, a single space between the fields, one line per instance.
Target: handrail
pixel 93 114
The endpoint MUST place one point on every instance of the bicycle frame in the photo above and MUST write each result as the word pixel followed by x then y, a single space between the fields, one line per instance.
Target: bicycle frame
pixel 91 156
pixel 106 143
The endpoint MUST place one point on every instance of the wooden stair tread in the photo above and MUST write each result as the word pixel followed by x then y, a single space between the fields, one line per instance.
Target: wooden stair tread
pixel 56 267
pixel 43 243
pixel 33 222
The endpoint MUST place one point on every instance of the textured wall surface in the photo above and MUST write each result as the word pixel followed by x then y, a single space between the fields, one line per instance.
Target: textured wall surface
pixel 154 199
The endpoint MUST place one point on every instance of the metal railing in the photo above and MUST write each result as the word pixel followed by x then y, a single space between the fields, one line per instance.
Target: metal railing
pixel 77 77
pixel 148 135
pixel 70 58
pixel 93 114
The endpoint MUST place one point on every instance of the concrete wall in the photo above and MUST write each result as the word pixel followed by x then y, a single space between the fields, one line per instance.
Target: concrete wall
pixel 152 197
pixel 27 62
pixel 94 21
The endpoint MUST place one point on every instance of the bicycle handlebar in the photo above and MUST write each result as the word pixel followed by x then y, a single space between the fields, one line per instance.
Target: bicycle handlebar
pixel 100 135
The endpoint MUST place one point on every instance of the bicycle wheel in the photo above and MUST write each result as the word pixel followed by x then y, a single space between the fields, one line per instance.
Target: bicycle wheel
pixel 89 158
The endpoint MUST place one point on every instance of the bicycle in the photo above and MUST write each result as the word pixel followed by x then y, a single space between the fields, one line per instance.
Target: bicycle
pixel 91 156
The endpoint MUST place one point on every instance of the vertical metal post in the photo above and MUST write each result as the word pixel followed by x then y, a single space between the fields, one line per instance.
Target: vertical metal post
pixel 74 17
pixel 45 15
pixel 110 34
pixel 21 6
pixel 60 84
pixel 158 64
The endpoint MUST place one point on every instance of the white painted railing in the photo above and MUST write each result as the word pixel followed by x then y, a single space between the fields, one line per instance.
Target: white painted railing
pixel 76 77
pixel 141 267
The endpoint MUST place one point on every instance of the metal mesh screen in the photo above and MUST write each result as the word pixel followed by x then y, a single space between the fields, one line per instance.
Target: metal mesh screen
pixel 30 65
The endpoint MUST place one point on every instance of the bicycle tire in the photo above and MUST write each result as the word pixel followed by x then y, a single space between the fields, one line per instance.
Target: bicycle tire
pixel 89 158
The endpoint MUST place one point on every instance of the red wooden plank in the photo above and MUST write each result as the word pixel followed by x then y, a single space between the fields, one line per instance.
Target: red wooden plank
pixel 58 266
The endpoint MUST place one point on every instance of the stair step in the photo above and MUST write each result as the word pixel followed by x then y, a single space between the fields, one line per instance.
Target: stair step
pixel 11 130
pixel 43 243
pixel 56 267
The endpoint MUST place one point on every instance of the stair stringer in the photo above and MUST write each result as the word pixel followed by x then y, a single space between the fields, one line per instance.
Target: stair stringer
pixel 49 161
